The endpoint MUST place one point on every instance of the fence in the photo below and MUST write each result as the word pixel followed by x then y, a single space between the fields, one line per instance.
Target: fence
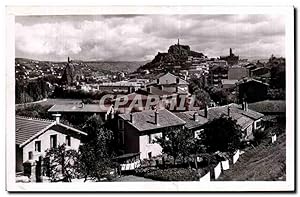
pixel 220 167
pixel 225 165
pixel 274 138
pixel 236 156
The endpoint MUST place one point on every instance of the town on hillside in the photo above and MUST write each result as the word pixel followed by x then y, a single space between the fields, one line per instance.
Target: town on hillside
pixel 182 116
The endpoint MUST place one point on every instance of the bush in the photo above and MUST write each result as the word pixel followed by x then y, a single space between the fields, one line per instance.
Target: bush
pixel 171 174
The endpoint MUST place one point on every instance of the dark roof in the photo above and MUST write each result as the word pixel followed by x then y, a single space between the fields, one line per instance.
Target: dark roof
pixel 269 106
pixel 247 80
pixel 159 92
pixel 243 118
pixel 188 117
pixel 145 120
pixel 28 127
pixel 89 108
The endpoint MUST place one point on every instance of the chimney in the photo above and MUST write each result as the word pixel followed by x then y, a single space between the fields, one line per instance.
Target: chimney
pixel 69 60
pixel 149 90
pixel 196 117
pixel 57 117
pixel 131 118
pixel 245 106
pixel 156 117
pixel 228 111
pixel 206 111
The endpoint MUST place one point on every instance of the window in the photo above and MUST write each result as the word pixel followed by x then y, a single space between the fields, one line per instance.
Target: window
pixel 149 138
pixel 197 134
pixel 53 141
pixel 37 146
pixel 30 156
pixel 68 140
pixel 258 124
pixel 121 124
pixel 122 137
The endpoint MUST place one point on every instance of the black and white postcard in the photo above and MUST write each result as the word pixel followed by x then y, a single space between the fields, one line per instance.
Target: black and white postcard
pixel 163 98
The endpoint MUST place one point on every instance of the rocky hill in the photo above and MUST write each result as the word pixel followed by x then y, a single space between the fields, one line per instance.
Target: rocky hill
pixel 177 55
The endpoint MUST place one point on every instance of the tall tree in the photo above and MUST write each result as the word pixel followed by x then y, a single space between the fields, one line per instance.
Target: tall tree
pixel 97 152
pixel 222 134
pixel 179 143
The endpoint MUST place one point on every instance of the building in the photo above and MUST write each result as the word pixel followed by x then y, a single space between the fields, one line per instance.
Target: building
pixel 216 74
pixel 138 130
pixel 124 87
pixel 237 73
pixel 229 84
pixel 247 119
pixel 131 102
pixel 79 111
pixel 269 107
pixel 170 83
pixel 252 90
pixel 260 71
pixel 35 136
pixel 231 59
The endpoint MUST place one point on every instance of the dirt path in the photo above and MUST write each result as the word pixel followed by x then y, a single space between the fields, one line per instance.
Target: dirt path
pixel 132 178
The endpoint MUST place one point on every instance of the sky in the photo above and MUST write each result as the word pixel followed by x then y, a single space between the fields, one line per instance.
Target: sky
pixel 141 37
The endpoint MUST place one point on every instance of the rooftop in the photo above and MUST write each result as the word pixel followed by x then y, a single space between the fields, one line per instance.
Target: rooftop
pixel 163 78
pixel 269 106
pixel 86 108
pixel 243 118
pixel 247 80
pixel 145 120
pixel 27 127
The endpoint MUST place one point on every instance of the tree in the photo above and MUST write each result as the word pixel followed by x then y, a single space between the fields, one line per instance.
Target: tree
pixel 61 164
pixel 179 143
pixel 97 151
pixel 222 134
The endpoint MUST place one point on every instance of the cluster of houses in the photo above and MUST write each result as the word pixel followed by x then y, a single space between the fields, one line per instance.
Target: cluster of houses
pixel 137 127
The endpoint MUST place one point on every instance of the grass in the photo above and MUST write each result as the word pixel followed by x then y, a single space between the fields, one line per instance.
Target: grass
pixel 171 174
pixel 266 162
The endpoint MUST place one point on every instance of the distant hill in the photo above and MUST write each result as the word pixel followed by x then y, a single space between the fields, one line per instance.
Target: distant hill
pixel 177 54
pixel 112 66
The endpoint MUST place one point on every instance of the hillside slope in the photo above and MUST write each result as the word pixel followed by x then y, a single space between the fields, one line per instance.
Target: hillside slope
pixel 267 162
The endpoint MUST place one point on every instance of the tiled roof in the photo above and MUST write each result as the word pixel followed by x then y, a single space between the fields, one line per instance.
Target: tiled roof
pixel 243 118
pixel 145 120
pixel 247 80
pixel 27 127
pixel 216 112
pixel 159 92
pixel 269 106
pixel 92 108
pixel 188 117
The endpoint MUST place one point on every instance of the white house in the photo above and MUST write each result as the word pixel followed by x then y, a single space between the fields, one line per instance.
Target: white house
pixel 35 136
